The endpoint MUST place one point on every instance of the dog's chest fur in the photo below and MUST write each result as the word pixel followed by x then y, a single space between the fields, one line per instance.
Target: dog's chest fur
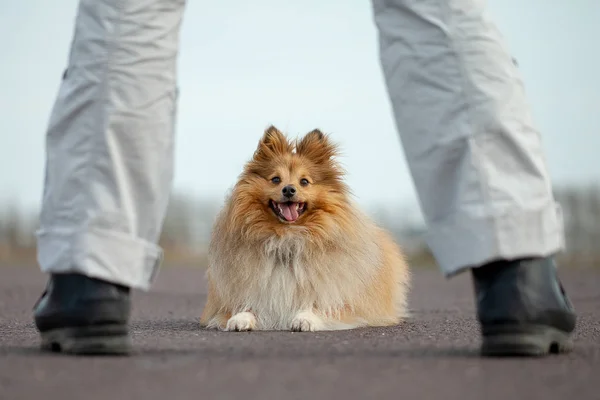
pixel 282 287
pixel 285 278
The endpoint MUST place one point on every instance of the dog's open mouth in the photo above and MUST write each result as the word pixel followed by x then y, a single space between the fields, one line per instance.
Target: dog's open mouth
pixel 287 211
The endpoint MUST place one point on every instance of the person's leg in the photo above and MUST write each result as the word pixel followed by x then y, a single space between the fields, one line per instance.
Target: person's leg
pixel 476 159
pixel 109 170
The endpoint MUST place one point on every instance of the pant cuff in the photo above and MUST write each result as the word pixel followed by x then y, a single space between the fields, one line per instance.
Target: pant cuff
pixel 462 242
pixel 100 253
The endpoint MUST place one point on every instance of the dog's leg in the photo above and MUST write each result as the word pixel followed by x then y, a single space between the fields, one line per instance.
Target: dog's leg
pixel 244 321
pixel 307 321
pixel 214 314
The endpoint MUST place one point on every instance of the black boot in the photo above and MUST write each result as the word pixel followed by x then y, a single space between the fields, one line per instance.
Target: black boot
pixel 522 308
pixel 81 315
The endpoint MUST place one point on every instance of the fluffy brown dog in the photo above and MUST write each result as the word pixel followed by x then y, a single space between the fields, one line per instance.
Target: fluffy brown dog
pixel 291 251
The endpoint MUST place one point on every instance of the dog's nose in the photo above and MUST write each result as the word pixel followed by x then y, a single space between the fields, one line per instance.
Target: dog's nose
pixel 289 191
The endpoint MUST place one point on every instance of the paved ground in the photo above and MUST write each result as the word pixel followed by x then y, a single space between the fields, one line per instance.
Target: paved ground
pixel 433 356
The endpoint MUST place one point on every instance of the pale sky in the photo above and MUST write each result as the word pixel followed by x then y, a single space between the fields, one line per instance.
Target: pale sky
pixel 299 65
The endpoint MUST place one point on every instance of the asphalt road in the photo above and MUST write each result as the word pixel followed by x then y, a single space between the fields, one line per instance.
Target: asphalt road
pixel 432 356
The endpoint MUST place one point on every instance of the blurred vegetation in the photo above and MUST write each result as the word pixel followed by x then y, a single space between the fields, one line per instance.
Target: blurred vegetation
pixel 189 220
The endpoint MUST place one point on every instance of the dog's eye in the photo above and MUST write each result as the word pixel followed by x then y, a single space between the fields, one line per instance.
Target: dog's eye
pixel 304 182
pixel 276 180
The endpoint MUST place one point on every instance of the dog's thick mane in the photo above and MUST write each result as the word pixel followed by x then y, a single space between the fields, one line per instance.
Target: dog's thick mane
pixel 293 266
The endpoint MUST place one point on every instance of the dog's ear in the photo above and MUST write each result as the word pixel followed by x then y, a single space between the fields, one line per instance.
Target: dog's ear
pixel 317 147
pixel 273 142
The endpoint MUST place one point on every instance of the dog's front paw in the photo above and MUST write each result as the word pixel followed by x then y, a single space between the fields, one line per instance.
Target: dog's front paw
pixel 306 321
pixel 244 321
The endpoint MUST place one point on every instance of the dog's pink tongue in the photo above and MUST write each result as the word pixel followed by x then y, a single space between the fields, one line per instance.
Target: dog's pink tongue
pixel 289 211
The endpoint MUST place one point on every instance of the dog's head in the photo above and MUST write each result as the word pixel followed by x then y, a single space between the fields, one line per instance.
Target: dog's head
pixel 290 183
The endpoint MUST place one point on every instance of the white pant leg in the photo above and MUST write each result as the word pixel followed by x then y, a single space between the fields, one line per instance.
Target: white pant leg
pixel 110 143
pixel 475 156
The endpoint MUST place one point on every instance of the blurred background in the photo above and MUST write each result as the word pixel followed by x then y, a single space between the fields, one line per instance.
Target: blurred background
pixel 300 66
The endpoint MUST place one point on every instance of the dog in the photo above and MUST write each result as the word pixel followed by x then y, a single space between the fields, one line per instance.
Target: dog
pixel 291 251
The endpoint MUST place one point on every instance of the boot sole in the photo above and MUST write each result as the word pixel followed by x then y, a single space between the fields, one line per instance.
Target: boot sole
pixel 90 340
pixel 528 341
